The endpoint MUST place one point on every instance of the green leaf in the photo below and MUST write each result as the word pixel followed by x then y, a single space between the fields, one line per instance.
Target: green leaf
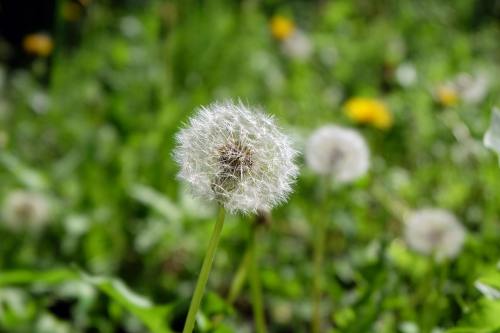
pixel 154 317
pixel 155 200
pixel 483 318
pixel 26 175
pixel 489 284
pixel 53 276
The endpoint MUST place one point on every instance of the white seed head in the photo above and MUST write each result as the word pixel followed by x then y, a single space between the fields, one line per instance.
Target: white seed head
pixel 338 151
pixel 298 46
pixel 406 74
pixel 434 231
pixel 472 88
pixel 23 210
pixel 492 137
pixel 236 156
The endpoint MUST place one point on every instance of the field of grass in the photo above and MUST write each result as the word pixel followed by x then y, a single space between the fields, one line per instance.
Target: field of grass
pixel 106 238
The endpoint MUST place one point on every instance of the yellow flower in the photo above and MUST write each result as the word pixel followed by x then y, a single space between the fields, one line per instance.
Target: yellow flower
pixel 39 44
pixel 369 111
pixel 282 27
pixel 447 96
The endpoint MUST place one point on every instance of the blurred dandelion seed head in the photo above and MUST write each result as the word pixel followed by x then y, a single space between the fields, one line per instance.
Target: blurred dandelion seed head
pixel 369 111
pixel 131 26
pixel 26 210
pixel 338 151
pixel 492 137
pixel 298 46
pixel 236 156
pixel 472 88
pixel 434 231
pixel 406 74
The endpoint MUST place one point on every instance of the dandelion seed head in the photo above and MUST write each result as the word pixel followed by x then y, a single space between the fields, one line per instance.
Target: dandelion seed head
pixel 491 139
pixel 25 210
pixel 338 151
pixel 406 74
pixel 298 46
pixel 472 88
pixel 434 231
pixel 236 156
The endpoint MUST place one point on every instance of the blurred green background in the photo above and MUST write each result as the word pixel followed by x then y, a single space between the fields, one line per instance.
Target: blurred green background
pixel 89 108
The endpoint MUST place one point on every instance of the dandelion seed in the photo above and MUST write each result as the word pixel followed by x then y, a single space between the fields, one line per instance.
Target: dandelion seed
pixel 26 210
pixel 434 231
pixel 369 111
pixel 338 151
pixel 236 156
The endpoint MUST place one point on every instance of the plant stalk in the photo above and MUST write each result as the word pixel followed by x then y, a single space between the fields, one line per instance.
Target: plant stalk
pixel 255 286
pixel 240 277
pixel 319 249
pixel 205 271
pixel 318 256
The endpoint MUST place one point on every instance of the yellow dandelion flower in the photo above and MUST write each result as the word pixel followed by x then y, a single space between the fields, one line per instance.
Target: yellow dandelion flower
pixel 282 27
pixel 39 44
pixel 382 118
pixel 447 96
pixel 369 111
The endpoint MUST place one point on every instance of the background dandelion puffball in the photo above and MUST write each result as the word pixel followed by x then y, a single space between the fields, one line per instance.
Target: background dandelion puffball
pixel 339 152
pixel 236 156
pixel 24 210
pixel 492 137
pixel 434 231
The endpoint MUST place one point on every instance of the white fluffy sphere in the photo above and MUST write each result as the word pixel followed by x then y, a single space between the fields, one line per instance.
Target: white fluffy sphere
pixel 24 210
pixel 236 156
pixel 434 231
pixel 338 151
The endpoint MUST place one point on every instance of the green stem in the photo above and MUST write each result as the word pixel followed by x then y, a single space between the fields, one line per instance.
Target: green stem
pixel 257 303
pixel 319 249
pixel 205 270
pixel 318 255
pixel 239 277
pixel 395 207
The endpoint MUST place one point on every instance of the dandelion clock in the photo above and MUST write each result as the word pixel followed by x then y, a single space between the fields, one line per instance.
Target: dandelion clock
pixel 235 156
pixel 434 231
pixel 338 152
pixel 342 154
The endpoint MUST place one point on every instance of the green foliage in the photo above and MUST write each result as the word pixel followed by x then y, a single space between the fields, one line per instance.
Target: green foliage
pixel 97 141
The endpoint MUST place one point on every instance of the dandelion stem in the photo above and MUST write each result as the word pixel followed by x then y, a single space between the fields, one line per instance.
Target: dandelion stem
pixel 319 248
pixel 205 270
pixel 239 277
pixel 395 207
pixel 255 286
